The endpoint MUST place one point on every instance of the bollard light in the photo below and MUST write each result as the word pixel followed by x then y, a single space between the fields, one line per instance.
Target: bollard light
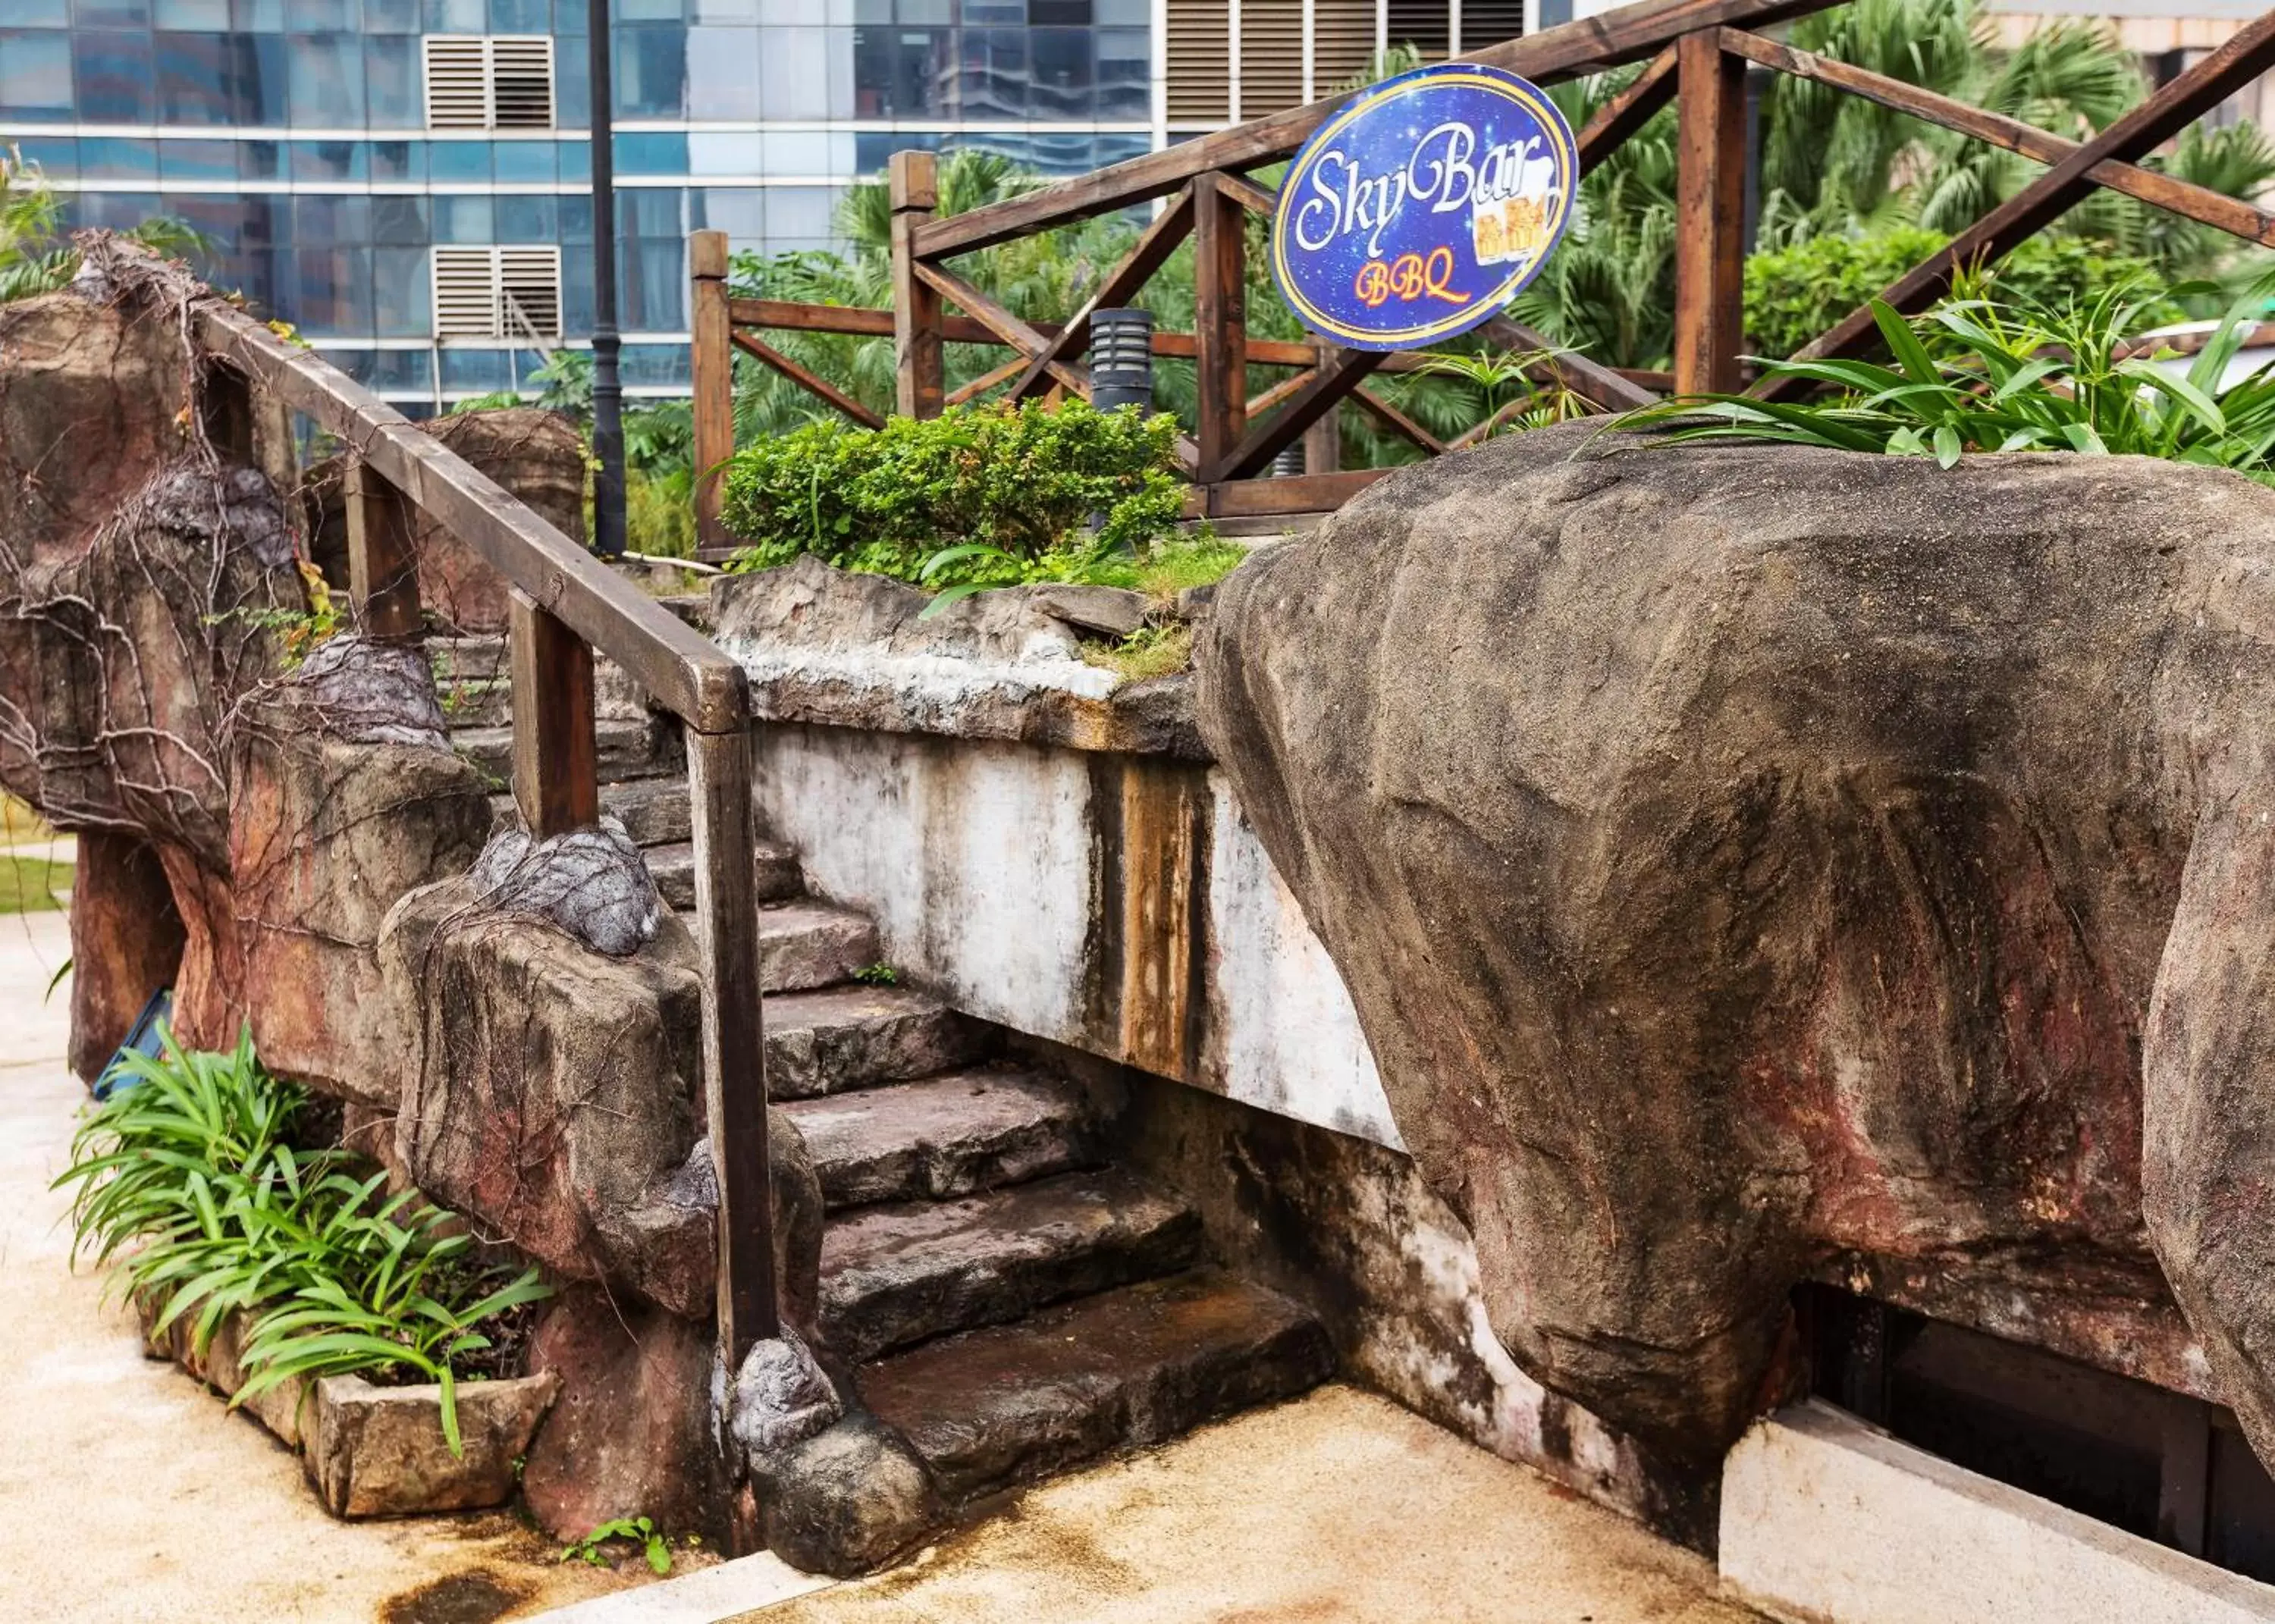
pixel 1122 358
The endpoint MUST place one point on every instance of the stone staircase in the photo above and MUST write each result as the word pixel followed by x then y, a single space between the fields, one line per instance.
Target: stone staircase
pixel 1013 1301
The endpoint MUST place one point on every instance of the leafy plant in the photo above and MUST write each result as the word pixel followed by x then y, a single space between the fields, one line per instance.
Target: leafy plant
pixel 1009 494
pixel 1980 374
pixel 640 1530
pixel 1150 650
pixel 35 256
pixel 880 974
pixel 186 1182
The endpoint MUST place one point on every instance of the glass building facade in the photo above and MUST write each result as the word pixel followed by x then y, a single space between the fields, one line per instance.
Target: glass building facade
pixel 294 134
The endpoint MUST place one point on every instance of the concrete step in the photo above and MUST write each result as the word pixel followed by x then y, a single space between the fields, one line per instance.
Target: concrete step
pixel 1123 1368
pixel 473 677
pixel 654 811
pixel 851 1037
pixel 944 1136
pixel 897 1275
pixel 629 747
pixel 673 868
pixel 808 944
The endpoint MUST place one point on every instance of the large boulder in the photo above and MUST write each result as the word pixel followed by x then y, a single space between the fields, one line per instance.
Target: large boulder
pixel 1746 858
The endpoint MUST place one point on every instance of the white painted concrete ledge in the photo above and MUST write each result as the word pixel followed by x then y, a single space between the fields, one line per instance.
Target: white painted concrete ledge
pixel 1828 1521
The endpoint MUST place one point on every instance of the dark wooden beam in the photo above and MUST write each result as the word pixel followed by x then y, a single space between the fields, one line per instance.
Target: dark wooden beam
pixel 987 381
pixel 1332 383
pixel 1012 330
pixel 812 382
pixel 1220 321
pixel 2199 203
pixel 1309 493
pixel 1280 393
pixel 1630 33
pixel 383 559
pixel 711 347
pixel 1397 422
pixel 1122 284
pixel 1629 111
pixel 556 761
pixel 1709 217
pixel 919 368
pixel 2248 53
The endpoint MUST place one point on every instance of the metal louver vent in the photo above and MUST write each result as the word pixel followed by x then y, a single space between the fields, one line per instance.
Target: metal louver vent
pixel 1200 60
pixel 489 82
pixel 1271 56
pixel 1342 44
pixel 1490 22
pixel 507 292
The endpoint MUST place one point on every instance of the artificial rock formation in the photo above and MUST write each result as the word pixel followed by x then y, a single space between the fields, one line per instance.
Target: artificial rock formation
pixel 250 819
pixel 1746 859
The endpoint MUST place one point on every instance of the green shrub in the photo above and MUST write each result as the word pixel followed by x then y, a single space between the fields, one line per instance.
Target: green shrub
pixel 186 1180
pixel 2012 376
pixel 1019 486
pixel 1794 293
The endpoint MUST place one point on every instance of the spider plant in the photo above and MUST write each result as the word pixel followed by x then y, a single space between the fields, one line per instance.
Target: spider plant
pixel 1980 375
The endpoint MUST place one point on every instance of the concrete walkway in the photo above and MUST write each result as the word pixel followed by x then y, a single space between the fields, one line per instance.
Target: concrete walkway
pixel 135 1495
pixel 132 1493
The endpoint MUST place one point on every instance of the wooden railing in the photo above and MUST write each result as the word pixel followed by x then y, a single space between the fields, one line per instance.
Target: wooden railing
pixel 1695 53
pixel 565 605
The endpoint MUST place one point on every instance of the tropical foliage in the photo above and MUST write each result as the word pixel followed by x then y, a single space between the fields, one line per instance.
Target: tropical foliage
pixel 979 495
pixel 1984 374
pixel 35 257
pixel 186 1182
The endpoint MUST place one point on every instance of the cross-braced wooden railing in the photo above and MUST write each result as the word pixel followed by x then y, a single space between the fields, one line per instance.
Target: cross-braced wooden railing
pixel 566 604
pixel 1696 54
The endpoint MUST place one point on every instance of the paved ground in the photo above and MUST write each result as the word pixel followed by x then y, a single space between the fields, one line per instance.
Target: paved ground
pixel 132 1494
pixel 1338 1508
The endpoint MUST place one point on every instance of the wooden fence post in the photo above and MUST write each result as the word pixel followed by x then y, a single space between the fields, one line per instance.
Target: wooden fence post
pixel 382 561
pixel 919 363
pixel 1323 442
pixel 734 1041
pixel 714 380
pixel 1710 216
pixel 555 756
pixel 1219 322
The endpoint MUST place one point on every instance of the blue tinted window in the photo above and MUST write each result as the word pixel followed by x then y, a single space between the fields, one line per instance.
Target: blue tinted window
pixel 398 160
pixel 258 17
pixel 651 67
pixel 391 15
pixel 56 156
pixel 975 10
pixel 896 71
pixel 1061 74
pixel 35 75
pixel 653 283
pixel 399 222
pixel 570 17
pixel 523 161
pixel 330 161
pixel 400 292
pixel 321 222
pixel 40 14
pixel 1130 13
pixel 663 365
pixel 526 220
pixel 463 219
pixel 113 71
pixel 994 81
pixel 326 74
pixel 575 215
pixel 110 13
pixel 521 16
pixel 651 155
pixel 114 160
pixel 572 86
pixel 649 10
pixel 213 14
pixel 197 79
pixel 722 73
pixel 331 288
pixel 322 16
pixel 458 160
pixel 794 77
pixel 456 16
pixel 576 160
pixel 262 80
pixel 1125 70
pixel 576 290
pixel 261 160
pixel 391 81
pixel 197 160
pixel 650 211
pixel 1060 14
pixel 403 369
pixel 117 211
pixel 482 370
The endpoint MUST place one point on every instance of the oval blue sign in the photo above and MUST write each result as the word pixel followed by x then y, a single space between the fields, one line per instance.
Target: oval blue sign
pixel 1418 210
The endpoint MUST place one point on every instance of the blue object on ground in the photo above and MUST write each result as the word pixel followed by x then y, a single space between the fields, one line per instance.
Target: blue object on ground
pixel 142 1039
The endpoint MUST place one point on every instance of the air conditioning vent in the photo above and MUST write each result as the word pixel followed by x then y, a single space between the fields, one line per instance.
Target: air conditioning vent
pixel 1271 56
pixel 1200 60
pixel 508 293
pixel 489 82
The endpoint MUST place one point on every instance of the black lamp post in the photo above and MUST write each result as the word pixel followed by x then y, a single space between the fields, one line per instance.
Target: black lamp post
pixel 608 392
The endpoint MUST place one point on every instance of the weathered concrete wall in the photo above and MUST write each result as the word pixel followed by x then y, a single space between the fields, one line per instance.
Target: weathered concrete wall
pixel 1117 903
